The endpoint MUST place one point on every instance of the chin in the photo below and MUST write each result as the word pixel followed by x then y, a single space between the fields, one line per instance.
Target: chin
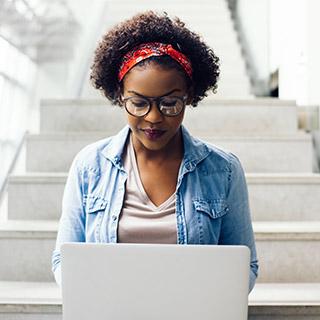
pixel 153 146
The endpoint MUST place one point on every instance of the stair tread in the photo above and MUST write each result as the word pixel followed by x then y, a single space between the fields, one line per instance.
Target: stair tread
pixel 29 225
pixel 19 292
pixel 258 226
pixel 273 294
pixel 283 177
pixel 285 294
pixel 210 100
pixel 202 135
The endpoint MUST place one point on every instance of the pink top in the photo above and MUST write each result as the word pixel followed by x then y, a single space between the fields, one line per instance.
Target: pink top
pixel 141 221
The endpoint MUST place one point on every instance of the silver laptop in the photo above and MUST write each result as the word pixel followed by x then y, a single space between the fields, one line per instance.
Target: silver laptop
pixel 154 282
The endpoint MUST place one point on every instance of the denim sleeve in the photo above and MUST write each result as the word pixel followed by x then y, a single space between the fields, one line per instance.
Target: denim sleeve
pixel 72 220
pixel 236 225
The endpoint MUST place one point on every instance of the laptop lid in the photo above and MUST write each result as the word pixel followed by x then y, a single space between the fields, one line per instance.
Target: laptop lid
pixel 154 281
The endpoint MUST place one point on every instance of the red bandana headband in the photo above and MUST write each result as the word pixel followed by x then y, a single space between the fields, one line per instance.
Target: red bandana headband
pixel 147 50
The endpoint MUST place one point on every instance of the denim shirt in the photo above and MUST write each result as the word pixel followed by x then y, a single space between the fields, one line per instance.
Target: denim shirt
pixel 211 198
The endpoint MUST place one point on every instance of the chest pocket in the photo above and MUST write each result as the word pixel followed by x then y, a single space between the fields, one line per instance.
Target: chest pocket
pixel 95 204
pixel 213 208
pixel 95 208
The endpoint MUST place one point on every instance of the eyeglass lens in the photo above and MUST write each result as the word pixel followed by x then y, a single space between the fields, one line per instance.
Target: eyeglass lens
pixel 167 105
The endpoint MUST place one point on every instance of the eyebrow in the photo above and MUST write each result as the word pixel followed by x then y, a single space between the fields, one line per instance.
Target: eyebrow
pixel 139 94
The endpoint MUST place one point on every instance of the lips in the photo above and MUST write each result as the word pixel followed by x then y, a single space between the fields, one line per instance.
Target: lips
pixel 153 134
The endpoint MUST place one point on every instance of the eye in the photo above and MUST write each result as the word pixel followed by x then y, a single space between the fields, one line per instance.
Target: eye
pixel 169 101
pixel 138 102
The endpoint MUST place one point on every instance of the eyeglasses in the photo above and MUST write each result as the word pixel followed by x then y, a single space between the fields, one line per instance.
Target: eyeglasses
pixel 169 106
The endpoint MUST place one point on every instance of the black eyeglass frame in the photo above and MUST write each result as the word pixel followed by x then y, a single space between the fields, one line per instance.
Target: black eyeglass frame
pixel 157 100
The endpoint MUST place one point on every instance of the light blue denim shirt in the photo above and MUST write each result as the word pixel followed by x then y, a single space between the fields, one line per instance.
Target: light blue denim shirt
pixel 211 198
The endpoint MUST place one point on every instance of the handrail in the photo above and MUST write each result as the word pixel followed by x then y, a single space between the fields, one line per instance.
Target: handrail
pixel 80 79
pixel 3 183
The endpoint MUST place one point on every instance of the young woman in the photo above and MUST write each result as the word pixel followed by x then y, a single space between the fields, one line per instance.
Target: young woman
pixel 153 182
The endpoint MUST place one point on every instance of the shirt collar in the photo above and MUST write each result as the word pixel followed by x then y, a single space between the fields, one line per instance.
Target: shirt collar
pixel 194 149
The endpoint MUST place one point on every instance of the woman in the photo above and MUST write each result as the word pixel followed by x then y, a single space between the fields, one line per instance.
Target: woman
pixel 153 182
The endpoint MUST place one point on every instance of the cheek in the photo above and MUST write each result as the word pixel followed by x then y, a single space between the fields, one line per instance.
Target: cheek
pixel 177 121
pixel 132 121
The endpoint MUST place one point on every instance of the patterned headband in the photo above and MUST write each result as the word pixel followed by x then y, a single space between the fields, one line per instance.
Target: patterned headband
pixel 147 50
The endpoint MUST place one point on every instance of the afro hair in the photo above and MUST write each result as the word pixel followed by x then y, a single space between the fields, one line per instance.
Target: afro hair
pixel 150 26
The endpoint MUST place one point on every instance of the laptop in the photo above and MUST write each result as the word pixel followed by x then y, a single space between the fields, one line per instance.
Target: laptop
pixel 154 281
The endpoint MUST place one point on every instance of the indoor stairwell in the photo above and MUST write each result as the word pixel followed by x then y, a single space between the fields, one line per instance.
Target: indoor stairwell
pixel 276 156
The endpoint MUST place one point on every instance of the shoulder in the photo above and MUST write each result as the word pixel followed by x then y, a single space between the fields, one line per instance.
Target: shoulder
pixel 92 156
pixel 221 158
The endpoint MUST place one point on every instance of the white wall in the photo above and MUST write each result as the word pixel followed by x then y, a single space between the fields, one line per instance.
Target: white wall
pixel 288 47
pixel 255 22
pixel 313 53
pixel 284 35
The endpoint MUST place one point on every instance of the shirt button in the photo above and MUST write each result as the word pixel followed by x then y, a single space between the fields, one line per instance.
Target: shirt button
pixel 114 217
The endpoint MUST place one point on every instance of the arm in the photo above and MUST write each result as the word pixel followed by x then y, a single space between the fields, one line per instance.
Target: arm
pixel 72 221
pixel 236 226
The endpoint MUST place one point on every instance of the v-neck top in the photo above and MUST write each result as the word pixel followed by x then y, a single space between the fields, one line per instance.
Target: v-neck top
pixel 141 221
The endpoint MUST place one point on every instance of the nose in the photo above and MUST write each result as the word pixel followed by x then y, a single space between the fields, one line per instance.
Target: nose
pixel 154 115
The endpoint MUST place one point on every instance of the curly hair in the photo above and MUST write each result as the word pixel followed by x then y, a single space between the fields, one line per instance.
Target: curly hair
pixel 150 26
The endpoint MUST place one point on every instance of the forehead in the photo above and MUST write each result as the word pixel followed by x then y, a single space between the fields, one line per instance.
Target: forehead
pixel 153 80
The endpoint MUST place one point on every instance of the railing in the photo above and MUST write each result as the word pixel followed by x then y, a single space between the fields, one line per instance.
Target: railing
pixel 9 166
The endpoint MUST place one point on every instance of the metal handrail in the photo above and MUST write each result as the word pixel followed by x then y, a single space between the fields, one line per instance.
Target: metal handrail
pixel 3 183
pixel 81 76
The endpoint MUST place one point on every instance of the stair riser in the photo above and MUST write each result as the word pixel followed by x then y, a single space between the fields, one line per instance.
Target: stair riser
pixel 280 261
pixel 55 154
pixel 288 261
pixel 282 312
pixel 26 259
pixel 210 120
pixel 284 202
pixel 36 201
pixel 278 201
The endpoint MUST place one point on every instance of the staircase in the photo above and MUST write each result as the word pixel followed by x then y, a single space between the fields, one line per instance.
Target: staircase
pixel 283 195
pixel 276 156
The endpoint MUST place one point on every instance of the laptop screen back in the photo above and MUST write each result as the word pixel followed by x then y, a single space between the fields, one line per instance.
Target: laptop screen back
pixel 154 282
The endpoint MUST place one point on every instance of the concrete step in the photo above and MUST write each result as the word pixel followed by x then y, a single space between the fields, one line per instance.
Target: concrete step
pixel 285 251
pixel 26 248
pixel 224 93
pixel 192 16
pixel 273 197
pixel 42 300
pixel 40 196
pixel 54 152
pixel 207 27
pixel 165 4
pixel 284 197
pixel 234 88
pixel 244 117
pixel 227 75
pixel 285 301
